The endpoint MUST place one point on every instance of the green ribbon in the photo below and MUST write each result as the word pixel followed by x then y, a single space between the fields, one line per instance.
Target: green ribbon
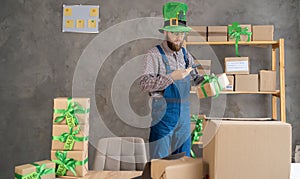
pixel 65 164
pixel 211 79
pixel 197 132
pixel 235 31
pixel 70 113
pixel 41 170
pixel 70 138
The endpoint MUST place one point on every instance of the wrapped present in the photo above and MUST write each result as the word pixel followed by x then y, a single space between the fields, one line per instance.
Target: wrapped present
pixel 39 170
pixel 244 36
pixel 197 34
pixel 217 33
pixel 71 111
pixel 70 163
pixel 65 138
pixel 212 85
pixel 235 31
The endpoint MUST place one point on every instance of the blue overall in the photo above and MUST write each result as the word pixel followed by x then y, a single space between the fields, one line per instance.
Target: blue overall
pixel 170 129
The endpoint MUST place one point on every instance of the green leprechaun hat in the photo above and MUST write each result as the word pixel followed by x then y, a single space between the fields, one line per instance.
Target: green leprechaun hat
pixel 175 17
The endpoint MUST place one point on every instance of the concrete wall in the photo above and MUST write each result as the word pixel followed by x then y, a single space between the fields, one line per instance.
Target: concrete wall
pixel 38 61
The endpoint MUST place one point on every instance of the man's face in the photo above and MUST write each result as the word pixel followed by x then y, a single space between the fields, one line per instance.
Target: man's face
pixel 175 40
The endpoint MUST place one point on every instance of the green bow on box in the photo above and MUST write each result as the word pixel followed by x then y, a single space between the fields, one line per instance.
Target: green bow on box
pixel 69 138
pixel 70 113
pixel 197 132
pixel 235 31
pixel 211 79
pixel 65 164
pixel 40 171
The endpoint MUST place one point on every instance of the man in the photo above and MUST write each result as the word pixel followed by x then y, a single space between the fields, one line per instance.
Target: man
pixel 166 76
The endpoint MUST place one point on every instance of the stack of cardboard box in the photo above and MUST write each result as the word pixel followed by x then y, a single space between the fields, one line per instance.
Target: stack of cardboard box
pixel 70 136
pixel 238 69
pixel 220 33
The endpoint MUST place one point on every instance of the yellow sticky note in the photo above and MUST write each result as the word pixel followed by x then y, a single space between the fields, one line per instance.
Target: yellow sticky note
pixel 80 23
pixel 94 12
pixel 69 24
pixel 67 11
pixel 92 23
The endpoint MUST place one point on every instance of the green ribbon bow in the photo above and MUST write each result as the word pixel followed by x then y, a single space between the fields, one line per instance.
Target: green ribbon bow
pixel 65 164
pixel 211 79
pixel 197 132
pixel 70 113
pixel 235 31
pixel 70 138
pixel 40 171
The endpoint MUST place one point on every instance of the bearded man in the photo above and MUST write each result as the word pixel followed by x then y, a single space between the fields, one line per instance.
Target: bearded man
pixel 166 76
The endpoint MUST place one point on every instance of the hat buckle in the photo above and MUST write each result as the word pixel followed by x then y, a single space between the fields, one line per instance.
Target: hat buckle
pixel 172 20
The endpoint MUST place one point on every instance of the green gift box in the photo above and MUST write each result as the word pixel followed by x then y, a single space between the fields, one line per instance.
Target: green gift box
pixel 38 170
pixel 71 111
pixel 70 163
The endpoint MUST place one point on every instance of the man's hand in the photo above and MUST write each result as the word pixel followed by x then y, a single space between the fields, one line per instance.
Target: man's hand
pixel 180 73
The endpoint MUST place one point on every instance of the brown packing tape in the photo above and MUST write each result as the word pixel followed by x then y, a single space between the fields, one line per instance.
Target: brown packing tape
pixel 79 156
pixel 61 103
pixel 60 129
pixel 28 168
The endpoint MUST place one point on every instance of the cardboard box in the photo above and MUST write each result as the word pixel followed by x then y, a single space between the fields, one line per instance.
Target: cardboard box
pixel 246 82
pixel 267 80
pixel 223 80
pixel 211 89
pixel 247 149
pixel 81 170
pixel 61 103
pixel 58 130
pixel 217 33
pixel 185 167
pixel 29 169
pixel 244 38
pixel 197 34
pixel 237 65
pixel 262 32
pixel 230 86
pixel 205 67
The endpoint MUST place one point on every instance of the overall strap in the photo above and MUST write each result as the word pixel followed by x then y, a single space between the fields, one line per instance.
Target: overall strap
pixel 185 58
pixel 165 59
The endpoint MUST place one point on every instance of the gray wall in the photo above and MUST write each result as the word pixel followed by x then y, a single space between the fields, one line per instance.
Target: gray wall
pixel 37 63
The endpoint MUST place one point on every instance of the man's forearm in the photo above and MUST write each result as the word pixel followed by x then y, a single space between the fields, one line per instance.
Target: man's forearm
pixel 151 83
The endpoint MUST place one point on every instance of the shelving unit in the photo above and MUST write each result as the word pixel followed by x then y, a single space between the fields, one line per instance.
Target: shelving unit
pixel 276 95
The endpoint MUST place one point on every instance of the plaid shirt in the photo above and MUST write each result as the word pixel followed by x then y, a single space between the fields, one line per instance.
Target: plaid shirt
pixel 154 77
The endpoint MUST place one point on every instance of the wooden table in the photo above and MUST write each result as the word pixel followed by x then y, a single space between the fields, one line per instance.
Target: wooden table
pixel 108 175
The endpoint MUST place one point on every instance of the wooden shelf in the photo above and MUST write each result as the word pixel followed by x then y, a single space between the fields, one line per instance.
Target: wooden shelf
pixel 232 43
pixel 275 93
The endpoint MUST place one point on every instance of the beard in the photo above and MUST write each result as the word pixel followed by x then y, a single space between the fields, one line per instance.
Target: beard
pixel 174 46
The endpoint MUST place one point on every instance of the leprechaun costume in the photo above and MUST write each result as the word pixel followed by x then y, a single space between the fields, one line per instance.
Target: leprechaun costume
pixel 170 127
